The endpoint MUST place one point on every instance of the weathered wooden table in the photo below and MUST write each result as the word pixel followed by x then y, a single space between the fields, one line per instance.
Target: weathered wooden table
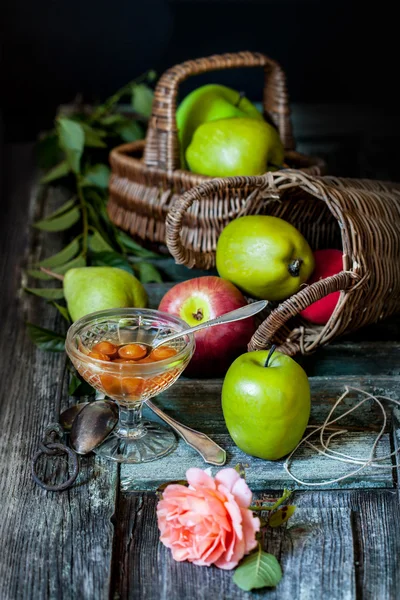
pixel 100 540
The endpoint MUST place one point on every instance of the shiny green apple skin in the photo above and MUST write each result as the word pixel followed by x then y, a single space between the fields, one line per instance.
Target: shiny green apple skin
pixel 209 103
pixel 266 409
pixel 233 147
pixel 256 253
pixel 88 289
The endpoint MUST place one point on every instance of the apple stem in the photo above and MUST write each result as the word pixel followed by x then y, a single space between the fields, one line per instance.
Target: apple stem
pixel 270 353
pixel 294 267
pixel 198 315
pixel 52 274
pixel 241 96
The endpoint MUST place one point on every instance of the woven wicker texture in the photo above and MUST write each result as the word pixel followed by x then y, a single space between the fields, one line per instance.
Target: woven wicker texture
pixel 361 217
pixel 146 176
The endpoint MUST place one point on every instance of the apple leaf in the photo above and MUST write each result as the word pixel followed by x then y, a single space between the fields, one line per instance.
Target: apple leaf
pixel 47 293
pixel 60 170
pixel 129 130
pixel 61 223
pixel 98 244
pixel 63 311
pixel 110 259
pixel 71 137
pixel 75 263
pixel 93 137
pixel 281 516
pixel 133 247
pixel 47 151
pixel 78 387
pixel 142 99
pixel 110 120
pixel 258 570
pixel 36 274
pixel 45 339
pixel 98 176
pixel 63 256
pixel 148 273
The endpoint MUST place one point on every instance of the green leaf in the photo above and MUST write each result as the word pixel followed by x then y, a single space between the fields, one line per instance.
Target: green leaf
pixel 36 274
pixel 60 170
pixel 47 293
pixel 75 263
pixel 285 495
pixel 142 99
pixel 151 75
pixel 133 247
pixel 148 273
pixel 65 255
pixel 110 120
pixel 110 259
pixel 97 175
pixel 62 209
pixel 46 339
pixel 258 570
pixel 61 223
pixel 72 140
pixel 129 130
pixel 281 516
pixel 241 469
pixel 47 151
pixel 93 137
pixel 63 311
pixel 98 244
pixel 77 387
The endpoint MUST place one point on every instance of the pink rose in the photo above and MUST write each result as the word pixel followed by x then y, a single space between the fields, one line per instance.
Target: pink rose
pixel 208 522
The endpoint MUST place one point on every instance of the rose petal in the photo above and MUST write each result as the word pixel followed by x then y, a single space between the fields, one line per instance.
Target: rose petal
pixel 238 553
pixel 228 477
pixel 242 492
pixel 198 478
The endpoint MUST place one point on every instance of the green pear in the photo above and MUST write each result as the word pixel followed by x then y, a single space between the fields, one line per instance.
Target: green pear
pixel 209 103
pixel 88 289
pixel 232 147
pixel 266 257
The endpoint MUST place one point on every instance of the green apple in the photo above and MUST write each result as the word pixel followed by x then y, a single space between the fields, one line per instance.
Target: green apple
pixel 88 289
pixel 209 103
pixel 264 256
pixel 266 403
pixel 236 146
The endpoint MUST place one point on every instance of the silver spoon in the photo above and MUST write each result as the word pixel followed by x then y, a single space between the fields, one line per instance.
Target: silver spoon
pixel 209 450
pixel 234 315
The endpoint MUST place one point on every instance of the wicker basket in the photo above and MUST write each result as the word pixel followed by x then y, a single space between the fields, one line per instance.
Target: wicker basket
pixel 361 217
pixel 146 176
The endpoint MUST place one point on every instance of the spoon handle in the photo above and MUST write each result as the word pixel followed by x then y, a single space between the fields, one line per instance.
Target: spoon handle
pixel 244 312
pixel 209 450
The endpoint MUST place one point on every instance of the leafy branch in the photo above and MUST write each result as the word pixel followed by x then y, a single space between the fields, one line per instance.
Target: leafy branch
pixel 74 155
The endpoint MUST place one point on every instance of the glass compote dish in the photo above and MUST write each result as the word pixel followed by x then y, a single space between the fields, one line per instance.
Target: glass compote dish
pixel 132 375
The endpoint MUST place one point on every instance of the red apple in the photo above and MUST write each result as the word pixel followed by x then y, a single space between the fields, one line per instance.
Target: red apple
pixel 327 263
pixel 202 299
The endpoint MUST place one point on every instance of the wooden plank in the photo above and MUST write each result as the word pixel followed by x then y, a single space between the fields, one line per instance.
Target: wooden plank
pixel 315 550
pixel 376 535
pixel 338 545
pixel 197 404
pixel 54 545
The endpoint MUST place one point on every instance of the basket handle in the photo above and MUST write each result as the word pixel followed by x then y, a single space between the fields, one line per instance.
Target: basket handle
pixel 177 212
pixel 291 307
pixel 162 144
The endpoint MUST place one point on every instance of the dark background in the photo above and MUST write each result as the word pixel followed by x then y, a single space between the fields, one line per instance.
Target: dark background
pixel 341 60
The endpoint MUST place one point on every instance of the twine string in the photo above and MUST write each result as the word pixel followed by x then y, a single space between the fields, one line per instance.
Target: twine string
pixel 325 450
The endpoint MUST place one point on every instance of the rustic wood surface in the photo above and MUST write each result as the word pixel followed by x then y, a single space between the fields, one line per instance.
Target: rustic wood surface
pixel 99 540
